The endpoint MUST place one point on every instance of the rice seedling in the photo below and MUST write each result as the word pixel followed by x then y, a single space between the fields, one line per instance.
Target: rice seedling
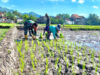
pixel 34 47
pixel 67 61
pixel 79 59
pixel 32 56
pixel 66 50
pixel 59 69
pixel 51 43
pixel 38 42
pixel 46 70
pixel 72 59
pixel 19 47
pixel 92 56
pixel 56 62
pixel 87 58
pixel 73 73
pixel 84 64
pixel 89 51
pixel 26 45
pixel 96 69
pixel 22 63
pixel 61 35
pixel 35 61
pixel 41 36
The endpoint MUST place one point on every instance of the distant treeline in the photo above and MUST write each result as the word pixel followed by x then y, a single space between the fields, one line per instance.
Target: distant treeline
pixel 92 19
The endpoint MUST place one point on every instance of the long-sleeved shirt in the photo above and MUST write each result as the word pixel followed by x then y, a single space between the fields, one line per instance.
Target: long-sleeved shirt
pixel 53 30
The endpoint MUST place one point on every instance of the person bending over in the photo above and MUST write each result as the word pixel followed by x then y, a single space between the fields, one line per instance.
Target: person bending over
pixel 55 30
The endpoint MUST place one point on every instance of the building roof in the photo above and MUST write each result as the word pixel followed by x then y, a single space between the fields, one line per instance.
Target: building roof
pixel 75 16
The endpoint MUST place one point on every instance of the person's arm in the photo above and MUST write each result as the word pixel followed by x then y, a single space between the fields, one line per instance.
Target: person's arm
pixel 57 35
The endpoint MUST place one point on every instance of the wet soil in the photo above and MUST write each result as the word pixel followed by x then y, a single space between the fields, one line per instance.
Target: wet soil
pixel 9 56
pixel 90 39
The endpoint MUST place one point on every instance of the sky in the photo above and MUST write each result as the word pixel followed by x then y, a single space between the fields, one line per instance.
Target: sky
pixel 54 7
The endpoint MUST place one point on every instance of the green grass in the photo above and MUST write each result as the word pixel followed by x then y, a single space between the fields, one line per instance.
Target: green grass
pixel 45 24
pixel 78 27
pixel 3 33
pixel 7 24
pixel 82 27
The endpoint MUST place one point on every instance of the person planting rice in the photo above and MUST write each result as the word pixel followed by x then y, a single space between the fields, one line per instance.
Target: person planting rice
pixel 55 30
pixel 30 26
pixel 48 22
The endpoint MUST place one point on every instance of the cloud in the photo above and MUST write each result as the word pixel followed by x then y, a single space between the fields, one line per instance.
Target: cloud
pixel 95 7
pixel 81 1
pixel 5 1
pixel 55 0
pixel 73 0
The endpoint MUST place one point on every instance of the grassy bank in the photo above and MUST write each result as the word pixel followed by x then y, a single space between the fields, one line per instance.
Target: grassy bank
pixel 7 24
pixel 82 27
pixel 4 27
pixel 78 27
pixel 3 33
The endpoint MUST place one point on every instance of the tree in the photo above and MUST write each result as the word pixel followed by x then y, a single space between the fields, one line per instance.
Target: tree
pixel 93 19
pixel 32 18
pixel 17 14
pixel 11 16
pixel 63 16
pixel 25 17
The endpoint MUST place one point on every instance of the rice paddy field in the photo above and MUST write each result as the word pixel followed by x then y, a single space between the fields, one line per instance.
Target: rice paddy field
pixel 82 27
pixel 78 27
pixel 47 57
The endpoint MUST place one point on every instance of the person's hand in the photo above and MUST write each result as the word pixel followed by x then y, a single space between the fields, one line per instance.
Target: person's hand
pixel 33 37
pixel 55 39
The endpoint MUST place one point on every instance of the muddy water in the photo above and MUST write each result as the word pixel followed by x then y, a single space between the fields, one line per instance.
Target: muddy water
pixel 90 39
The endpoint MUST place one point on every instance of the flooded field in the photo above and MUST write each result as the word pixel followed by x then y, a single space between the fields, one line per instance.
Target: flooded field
pixel 84 38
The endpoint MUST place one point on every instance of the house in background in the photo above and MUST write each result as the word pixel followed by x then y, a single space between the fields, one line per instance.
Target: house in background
pixel 9 21
pixel 19 20
pixel 1 14
pixel 68 21
pixel 41 20
pixel 3 19
pixel 80 20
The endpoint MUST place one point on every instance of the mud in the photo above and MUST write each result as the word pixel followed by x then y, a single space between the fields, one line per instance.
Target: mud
pixel 90 39
pixel 9 57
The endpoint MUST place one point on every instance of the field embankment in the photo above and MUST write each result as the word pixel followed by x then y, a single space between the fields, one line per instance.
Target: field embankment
pixel 4 27
pixel 82 27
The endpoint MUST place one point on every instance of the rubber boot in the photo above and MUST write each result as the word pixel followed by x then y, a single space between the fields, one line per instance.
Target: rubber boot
pixel 25 37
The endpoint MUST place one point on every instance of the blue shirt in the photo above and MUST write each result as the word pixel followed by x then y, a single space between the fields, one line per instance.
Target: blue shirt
pixel 53 30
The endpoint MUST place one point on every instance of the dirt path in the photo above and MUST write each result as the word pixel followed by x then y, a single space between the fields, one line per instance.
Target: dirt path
pixel 8 55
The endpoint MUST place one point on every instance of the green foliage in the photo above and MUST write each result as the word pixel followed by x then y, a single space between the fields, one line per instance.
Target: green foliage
pixel 41 36
pixel 82 27
pixel 61 35
pixel 3 33
pixel 93 19
pixel 25 17
pixel 56 21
